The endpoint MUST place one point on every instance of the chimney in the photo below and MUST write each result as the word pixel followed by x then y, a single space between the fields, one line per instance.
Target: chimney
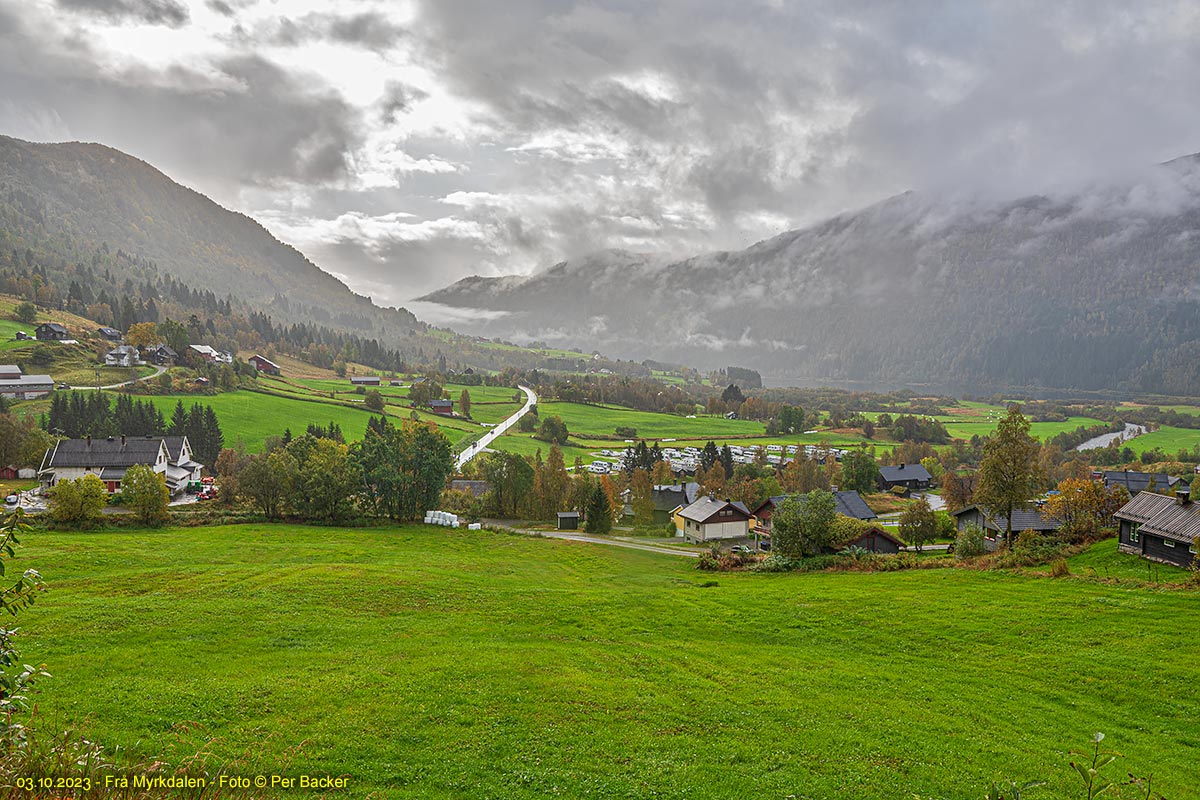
pixel 122 441
pixel 1183 496
pixel 901 466
pixel 89 440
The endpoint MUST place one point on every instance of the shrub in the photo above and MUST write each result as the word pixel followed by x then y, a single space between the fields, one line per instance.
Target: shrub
pixel 627 432
pixel 78 503
pixel 1059 568
pixel 969 543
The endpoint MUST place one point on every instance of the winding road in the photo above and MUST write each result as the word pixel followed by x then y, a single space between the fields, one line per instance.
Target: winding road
pixel 157 371
pixel 479 446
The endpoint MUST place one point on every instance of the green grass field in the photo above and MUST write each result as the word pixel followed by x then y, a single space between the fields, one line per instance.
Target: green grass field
pixel 253 416
pixel 1169 438
pixel 425 662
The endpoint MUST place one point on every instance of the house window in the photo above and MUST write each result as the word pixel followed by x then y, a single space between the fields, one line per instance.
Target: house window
pixel 1168 543
pixel 1133 533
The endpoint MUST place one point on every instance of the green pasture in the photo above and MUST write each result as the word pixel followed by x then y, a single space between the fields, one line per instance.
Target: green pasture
pixel 432 663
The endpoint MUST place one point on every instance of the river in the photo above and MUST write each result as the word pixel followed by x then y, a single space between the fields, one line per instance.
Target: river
pixel 1104 440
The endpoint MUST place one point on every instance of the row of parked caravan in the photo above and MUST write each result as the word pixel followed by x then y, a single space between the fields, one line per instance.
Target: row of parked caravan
pixel 447 520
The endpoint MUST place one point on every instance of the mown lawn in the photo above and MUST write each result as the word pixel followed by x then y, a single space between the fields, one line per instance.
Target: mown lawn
pixel 1104 560
pixel 425 662
pixel 1169 438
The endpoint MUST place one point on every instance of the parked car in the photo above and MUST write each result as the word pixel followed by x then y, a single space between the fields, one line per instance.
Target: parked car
pixel 11 500
pixel 64 386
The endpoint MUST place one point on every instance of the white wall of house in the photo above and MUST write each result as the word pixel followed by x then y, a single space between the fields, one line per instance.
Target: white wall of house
pixel 714 531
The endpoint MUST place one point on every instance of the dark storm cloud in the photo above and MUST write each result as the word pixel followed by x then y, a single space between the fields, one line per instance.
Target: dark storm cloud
pixel 157 12
pixel 520 133
pixel 243 122
pixel 371 30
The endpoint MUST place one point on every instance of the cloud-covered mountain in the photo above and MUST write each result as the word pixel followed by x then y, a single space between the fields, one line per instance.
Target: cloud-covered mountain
pixel 1094 288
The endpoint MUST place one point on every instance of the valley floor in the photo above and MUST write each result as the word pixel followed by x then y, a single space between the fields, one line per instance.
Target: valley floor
pixel 428 662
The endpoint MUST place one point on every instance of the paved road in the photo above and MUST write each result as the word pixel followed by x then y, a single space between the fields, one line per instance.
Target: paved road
pixel 575 536
pixel 157 371
pixel 479 446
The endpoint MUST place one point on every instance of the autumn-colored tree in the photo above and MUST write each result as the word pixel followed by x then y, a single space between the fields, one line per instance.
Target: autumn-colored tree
pixel 464 403
pixel 712 480
pixel 610 491
pixel 642 498
pixel 918 524
pixel 142 334
pixel 1084 506
pixel 1009 476
pixel 957 490
pixel 661 475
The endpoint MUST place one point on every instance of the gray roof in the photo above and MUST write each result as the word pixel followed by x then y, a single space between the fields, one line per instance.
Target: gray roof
pixel 1170 520
pixel 106 331
pixel 103 452
pixel 668 497
pixel 568 515
pixel 706 507
pixel 54 326
pixel 27 382
pixel 851 504
pixel 476 488
pixel 905 472
pixel 174 446
pixel 1138 481
pixel 123 349
pixel 1144 507
pixel 1022 519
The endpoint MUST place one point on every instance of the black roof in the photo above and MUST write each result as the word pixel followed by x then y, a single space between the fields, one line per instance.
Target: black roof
pixel 174 446
pixel 1138 481
pixel 905 472
pixel 103 452
pixel 162 348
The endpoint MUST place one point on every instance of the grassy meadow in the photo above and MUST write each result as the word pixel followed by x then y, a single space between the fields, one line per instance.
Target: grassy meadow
pixel 426 662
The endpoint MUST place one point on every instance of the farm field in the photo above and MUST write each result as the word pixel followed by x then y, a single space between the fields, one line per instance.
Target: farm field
pixel 1167 437
pixel 253 416
pixel 425 662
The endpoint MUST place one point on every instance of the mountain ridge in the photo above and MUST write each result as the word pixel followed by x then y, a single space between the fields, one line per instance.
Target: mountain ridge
pixel 1091 289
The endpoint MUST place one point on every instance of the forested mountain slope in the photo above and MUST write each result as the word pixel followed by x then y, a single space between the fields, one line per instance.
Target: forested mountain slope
pixel 1091 289
pixel 68 199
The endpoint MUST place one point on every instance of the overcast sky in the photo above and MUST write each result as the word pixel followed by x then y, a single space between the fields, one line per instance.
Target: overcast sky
pixel 405 145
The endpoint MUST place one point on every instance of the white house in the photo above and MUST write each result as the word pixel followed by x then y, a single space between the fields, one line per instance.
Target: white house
pixel 708 520
pixel 124 356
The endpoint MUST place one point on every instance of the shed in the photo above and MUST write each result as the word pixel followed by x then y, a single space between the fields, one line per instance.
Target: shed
pixel 1160 528
pixel 264 364
pixel 51 331
pixel 877 540
pixel 568 520
pixel 994 525
pixel 365 380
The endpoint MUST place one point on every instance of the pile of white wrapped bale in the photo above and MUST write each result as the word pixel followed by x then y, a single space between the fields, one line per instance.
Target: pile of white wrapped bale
pixel 448 520
pixel 443 518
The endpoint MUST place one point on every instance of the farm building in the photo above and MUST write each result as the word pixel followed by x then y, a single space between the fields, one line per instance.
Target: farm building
pixel 365 380
pixel 568 520
pixel 441 406
pixel 23 387
pixel 476 488
pixel 668 497
pixel 265 365
pixel 51 332
pixel 1160 528
pixel 124 356
pixel 711 520
pixel 994 525
pixel 210 354
pixel 163 356
pixel 1135 482
pixel 849 503
pixel 112 334
pixel 109 458
pixel 913 477
pixel 877 540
